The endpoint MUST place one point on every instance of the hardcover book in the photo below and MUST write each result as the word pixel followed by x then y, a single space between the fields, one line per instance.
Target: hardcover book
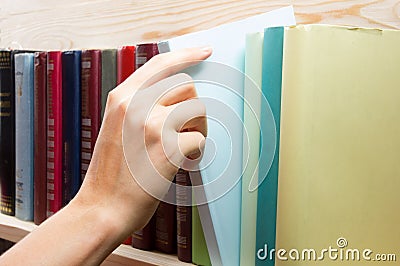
pixel 108 75
pixel 183 217
pixel 71 78
pixel 125 62
pixel 7 131
pixel 54 132
pixel 271 89
pixel 40 137
pixel 24 86
pixel 91 105
pixel 251 145
pixel 339 171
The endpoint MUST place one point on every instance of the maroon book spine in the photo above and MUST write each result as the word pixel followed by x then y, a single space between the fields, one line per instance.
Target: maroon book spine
pixel 144 239
pixel 40 138
pixel 183 217
pixel 91 105
pixel 165 236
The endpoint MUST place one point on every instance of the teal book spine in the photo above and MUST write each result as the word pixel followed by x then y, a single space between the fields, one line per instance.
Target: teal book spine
pixel 267 191
pixel 24 84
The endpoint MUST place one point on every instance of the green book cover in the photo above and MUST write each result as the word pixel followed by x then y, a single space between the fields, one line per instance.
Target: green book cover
pixel 108 75
pixel 339 172
pixel 200 254
pixel 251 143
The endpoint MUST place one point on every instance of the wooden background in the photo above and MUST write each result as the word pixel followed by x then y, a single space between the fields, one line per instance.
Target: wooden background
pixel 52 24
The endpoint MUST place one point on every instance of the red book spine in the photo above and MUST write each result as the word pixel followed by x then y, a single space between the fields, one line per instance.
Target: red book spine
pixel 125 62
pixel 183 217
pixel 125 67
pixel 91 105
pixel 54 132
pixel 40 138
pixel 144 52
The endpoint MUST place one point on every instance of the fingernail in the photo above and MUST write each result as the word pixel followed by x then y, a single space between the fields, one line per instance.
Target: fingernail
pixel 207 49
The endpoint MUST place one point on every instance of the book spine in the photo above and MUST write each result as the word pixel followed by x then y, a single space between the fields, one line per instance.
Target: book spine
pixel 54 132
pixel 108 75
pixel 40 137
pixel 24 136
pixel 183 217
pixel 165 228
pixel 7 150
pixel 71 78
pixel 125 62
pixel 143 239
pixel 271 88
pixel 91 105
pixel 200 255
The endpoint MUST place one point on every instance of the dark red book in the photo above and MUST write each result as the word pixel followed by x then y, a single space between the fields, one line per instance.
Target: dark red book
pixel 91 105
pixel 125 62
pixel 40 138
pixel 7 134
pixel 54 133
pixel 165 235
pixel 183 217
pixel 144 239
pixel 144 52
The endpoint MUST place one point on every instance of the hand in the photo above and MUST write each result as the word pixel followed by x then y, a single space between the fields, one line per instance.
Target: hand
pixel 163 125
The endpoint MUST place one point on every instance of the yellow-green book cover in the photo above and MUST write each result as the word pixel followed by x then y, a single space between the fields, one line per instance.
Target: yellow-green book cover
pixel 339 170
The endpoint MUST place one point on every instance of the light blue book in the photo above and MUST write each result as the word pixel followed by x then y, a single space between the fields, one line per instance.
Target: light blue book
pixel 219 82
pixel 24 86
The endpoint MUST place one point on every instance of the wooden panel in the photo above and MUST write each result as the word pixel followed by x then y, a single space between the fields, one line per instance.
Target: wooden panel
pixel 49 24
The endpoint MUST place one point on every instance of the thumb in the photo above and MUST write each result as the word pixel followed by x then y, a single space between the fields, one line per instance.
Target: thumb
pixel 191 143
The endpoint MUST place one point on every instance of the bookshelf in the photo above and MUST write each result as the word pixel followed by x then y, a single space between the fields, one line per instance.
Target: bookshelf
pixel 14 230
pixel 46 24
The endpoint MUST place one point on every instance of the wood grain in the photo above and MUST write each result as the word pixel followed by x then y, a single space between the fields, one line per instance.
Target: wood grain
pixel 48 24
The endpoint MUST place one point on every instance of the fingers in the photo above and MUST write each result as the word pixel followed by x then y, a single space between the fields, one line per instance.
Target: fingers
pixel 189 115
pixel 191 143
pixel 167 64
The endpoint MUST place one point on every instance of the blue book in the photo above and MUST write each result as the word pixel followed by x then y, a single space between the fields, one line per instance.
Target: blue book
pixel 267 190
pixel 71 76
pixel 24 136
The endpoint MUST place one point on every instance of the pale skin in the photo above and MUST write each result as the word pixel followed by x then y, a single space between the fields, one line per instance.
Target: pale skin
pixel 110 204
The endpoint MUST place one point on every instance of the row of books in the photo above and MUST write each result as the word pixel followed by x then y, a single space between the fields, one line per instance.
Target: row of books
pixel 52 103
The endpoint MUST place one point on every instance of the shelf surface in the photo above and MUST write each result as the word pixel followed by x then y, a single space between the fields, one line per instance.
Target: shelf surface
pixel 14 230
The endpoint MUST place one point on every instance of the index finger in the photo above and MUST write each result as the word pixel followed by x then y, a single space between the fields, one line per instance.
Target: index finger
pixel 162 66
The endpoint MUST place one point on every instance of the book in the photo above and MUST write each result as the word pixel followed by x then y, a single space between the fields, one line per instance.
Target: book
pixel 165 228
pixel 200 255
pixel 24 86
pixel 54 132
pixel 147 237
pixel 40 137
pixel 222 171
pixel 144 52
pixel 7 131
pixel 125 62
pixel 90 106
pixel 272 53
pixel 108 75
pixel 251 145
pixel 183 217
pixel 339 144
pixel 71 79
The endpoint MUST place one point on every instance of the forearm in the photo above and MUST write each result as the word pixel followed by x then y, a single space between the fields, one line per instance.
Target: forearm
pixel 77 235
